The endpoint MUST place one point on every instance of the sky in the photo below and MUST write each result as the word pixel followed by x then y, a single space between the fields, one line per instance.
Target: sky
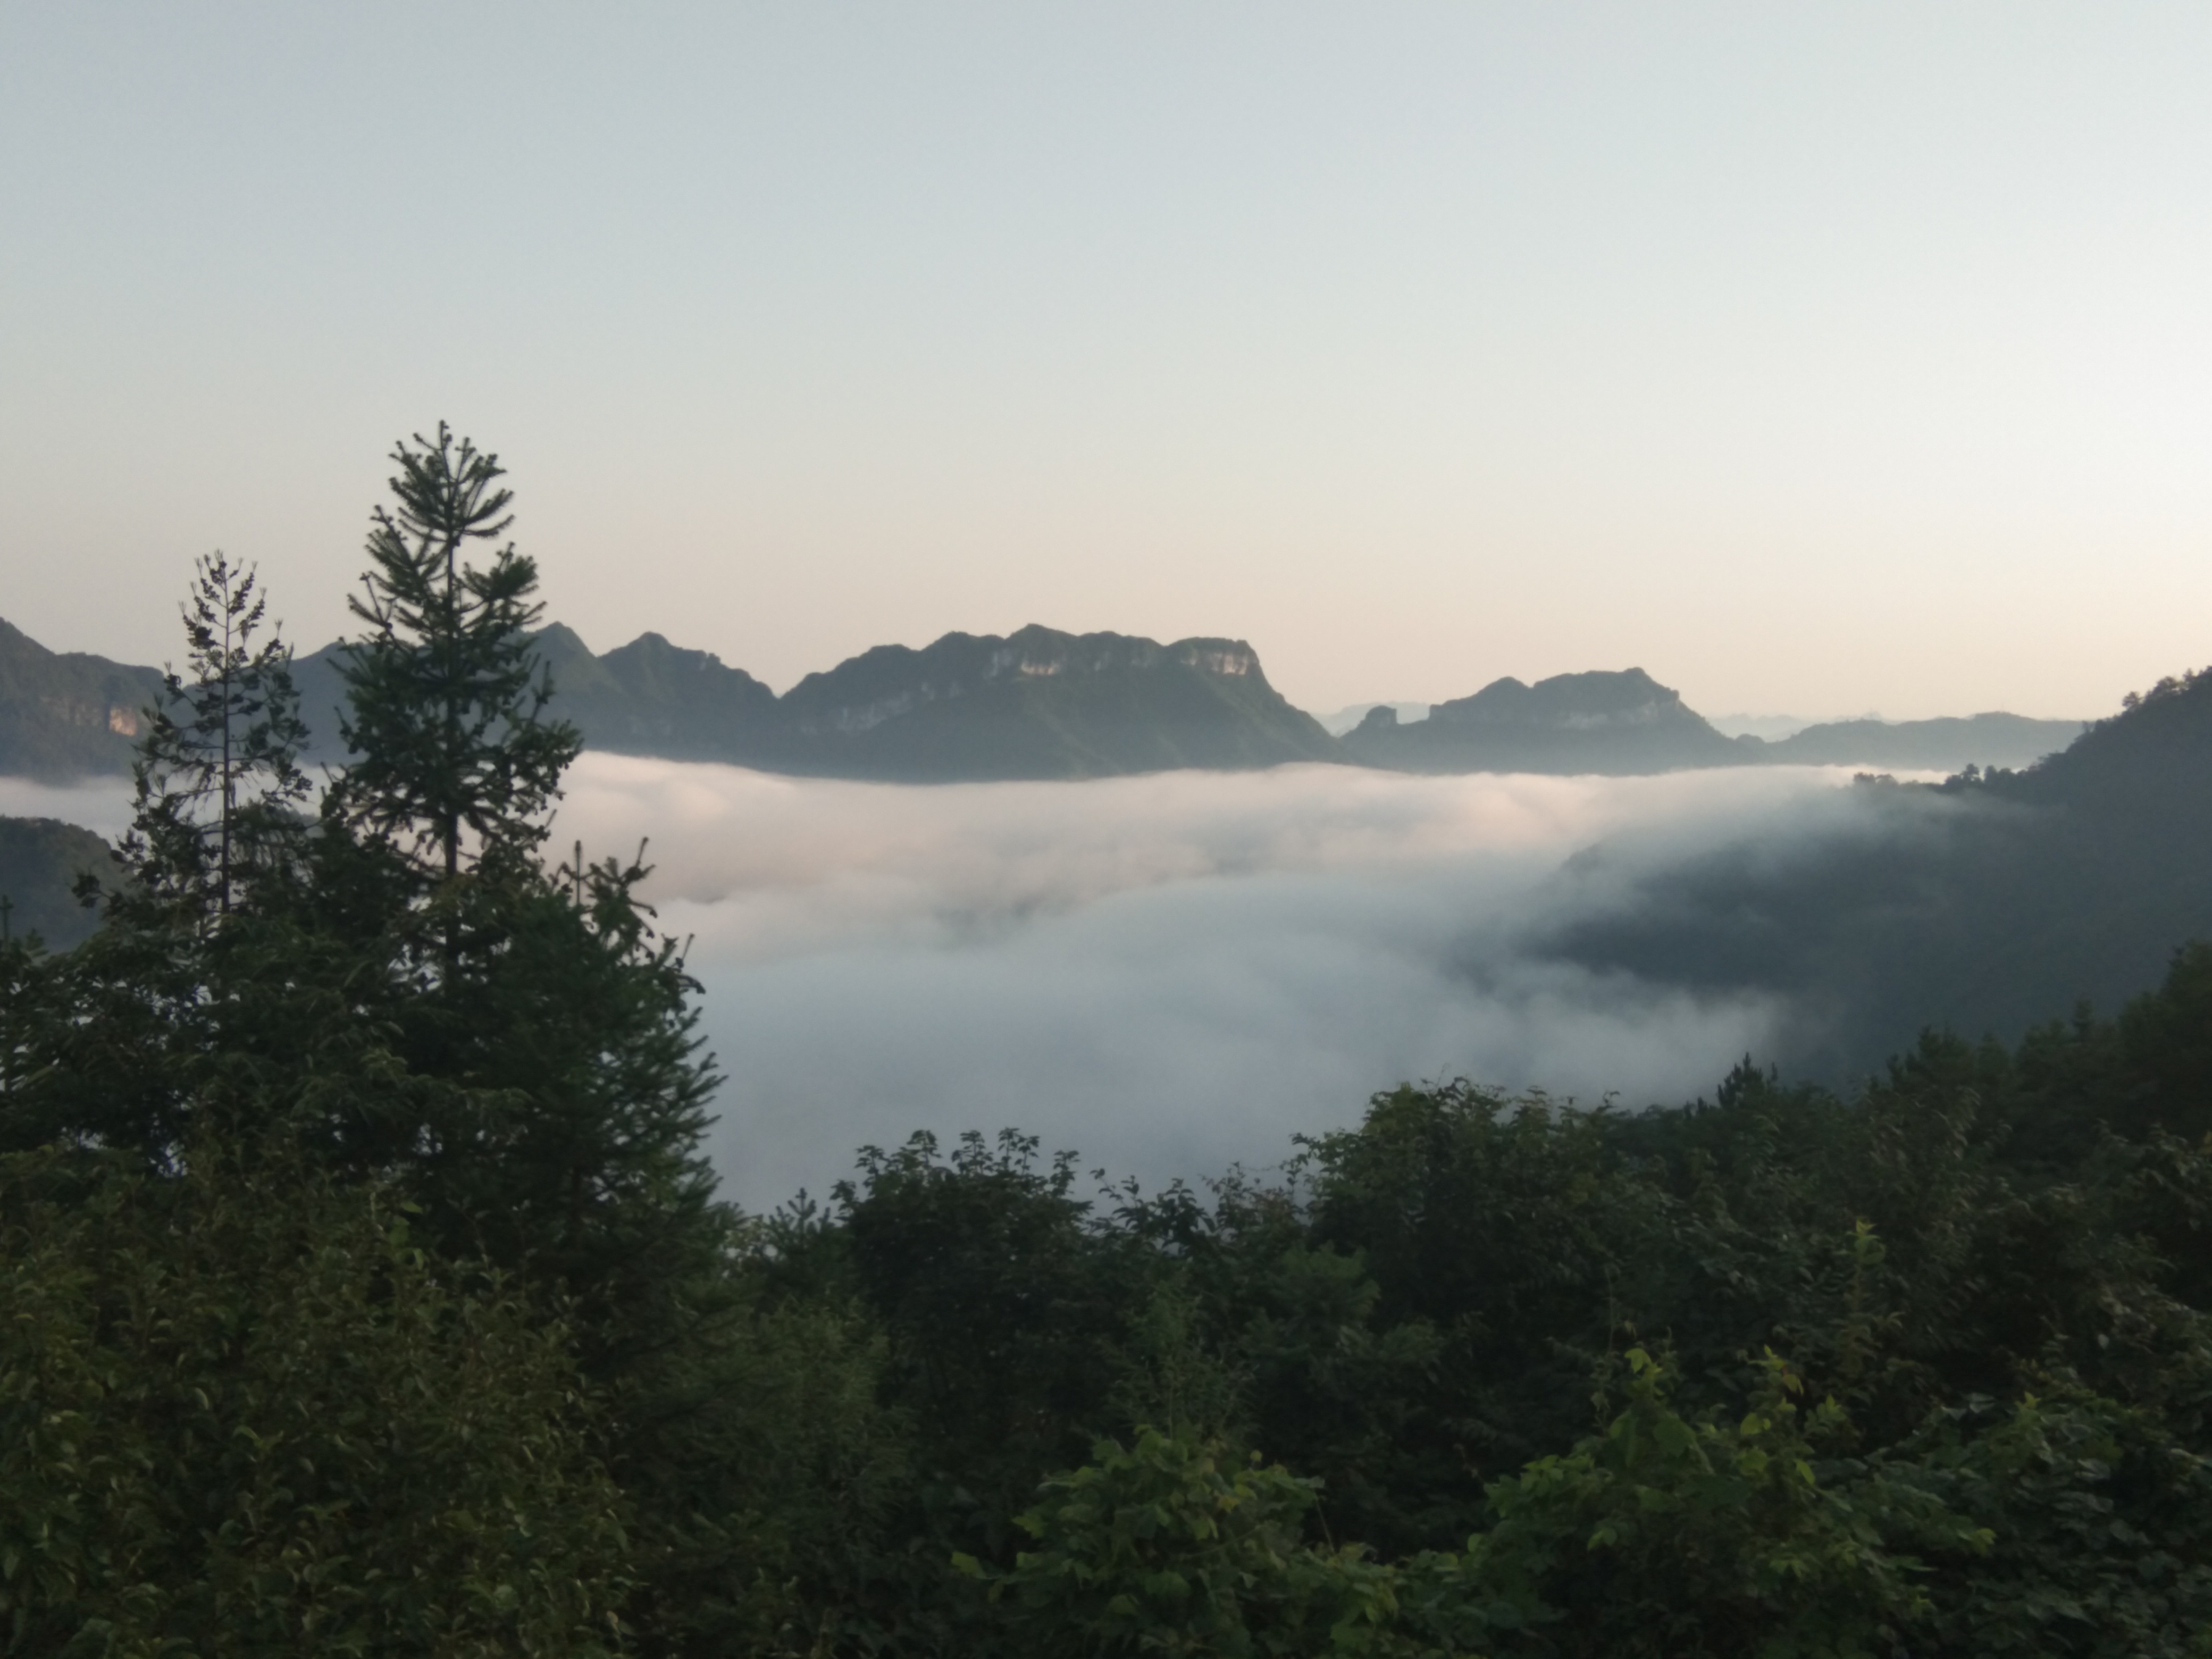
pixel 1816 359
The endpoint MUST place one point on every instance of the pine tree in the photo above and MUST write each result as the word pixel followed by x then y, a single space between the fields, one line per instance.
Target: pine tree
pixel 117 1041
pixel 455 760
pixel 218 781
pixel 561 1132
pixel 544 1000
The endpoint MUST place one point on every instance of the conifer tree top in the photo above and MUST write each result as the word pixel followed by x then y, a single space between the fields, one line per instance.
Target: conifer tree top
pixel 456 761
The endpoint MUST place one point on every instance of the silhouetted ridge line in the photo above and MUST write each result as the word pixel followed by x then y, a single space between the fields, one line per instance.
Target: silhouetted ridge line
pixel 1037 703
pixel 1613 722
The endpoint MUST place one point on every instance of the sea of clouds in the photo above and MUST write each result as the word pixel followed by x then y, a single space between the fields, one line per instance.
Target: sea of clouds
pixel 1172 973
pixel 1166 974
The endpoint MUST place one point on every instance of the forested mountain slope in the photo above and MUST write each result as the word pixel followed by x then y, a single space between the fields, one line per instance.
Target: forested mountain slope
pixel 40 860
pixel 1982 904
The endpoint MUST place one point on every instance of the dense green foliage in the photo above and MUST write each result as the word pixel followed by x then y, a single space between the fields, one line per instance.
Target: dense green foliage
pixel 1777 1372
pixel 363 1288
pixel 241 1413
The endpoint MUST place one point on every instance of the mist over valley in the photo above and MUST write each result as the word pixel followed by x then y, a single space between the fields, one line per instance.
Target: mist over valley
pixel 1167 974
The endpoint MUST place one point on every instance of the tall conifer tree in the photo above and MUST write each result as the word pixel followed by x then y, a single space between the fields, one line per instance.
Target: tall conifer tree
pixel 455 759
pixel 218 780
pixel 545 995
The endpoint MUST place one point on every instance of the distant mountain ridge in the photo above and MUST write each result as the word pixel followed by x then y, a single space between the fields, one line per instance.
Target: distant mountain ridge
pixel 647 697
pixel 1621 722
pixel 1042 703
pixel 1943 745
pixel 1627 722
pixel 1035 703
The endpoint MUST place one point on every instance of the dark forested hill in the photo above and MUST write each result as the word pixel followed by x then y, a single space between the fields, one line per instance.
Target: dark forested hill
pixel 1983 905
pixel 40 860
pixel 1622 723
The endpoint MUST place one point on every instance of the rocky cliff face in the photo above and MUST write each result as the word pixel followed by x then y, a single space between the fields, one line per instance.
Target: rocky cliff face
pixel 1039 703
pixel 1618 722
pixel 62 714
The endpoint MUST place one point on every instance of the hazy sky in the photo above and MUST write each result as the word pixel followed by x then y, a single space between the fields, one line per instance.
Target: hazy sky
pixel 1814 359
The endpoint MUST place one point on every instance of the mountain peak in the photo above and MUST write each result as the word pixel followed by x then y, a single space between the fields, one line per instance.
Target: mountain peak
pixel 1041 703
pixel 1617 721
pixel 1584 701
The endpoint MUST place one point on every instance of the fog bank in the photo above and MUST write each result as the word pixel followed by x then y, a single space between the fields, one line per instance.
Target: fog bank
pixel 1168 973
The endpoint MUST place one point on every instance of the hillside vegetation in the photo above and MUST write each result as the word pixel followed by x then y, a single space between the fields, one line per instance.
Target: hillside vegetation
pixel 1984 905
pixel 41 862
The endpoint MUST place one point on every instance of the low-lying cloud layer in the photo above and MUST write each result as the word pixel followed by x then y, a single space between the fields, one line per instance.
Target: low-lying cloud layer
pixel 1167 974
pixel 103 805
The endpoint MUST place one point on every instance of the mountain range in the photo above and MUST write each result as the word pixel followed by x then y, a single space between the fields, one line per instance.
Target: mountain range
pixel 1983 904
pixel 1035 703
